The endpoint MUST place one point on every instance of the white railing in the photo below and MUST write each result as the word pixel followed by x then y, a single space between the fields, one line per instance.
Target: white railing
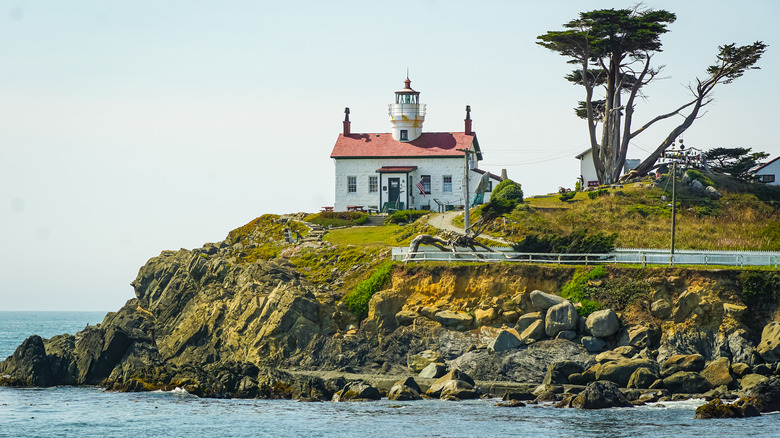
pixel 642 257
pixel 401 109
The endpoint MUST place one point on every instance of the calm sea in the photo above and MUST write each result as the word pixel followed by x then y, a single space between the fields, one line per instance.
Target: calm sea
pixel 79 412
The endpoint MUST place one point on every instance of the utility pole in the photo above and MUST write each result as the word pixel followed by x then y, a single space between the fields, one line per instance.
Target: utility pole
pixel 674 207
pixel 466 154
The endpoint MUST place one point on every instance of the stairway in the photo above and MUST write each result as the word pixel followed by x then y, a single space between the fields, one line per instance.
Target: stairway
pixel 375 220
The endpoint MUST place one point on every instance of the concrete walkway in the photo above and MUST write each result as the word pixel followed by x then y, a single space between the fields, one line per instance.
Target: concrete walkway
pixel 443 221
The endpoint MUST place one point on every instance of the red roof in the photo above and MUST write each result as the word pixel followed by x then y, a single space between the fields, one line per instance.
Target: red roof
pixel 429 144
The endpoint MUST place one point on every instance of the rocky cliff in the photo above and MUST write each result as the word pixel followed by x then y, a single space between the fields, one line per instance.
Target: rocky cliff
pixel 221 321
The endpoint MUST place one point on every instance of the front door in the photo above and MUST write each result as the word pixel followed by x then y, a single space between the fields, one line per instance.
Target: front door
pixel 393 190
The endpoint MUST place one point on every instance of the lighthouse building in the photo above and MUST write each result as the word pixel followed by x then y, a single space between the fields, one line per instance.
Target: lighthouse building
pixel 407 168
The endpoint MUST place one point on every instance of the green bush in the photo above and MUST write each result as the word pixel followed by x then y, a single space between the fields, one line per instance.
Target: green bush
pixel 578 242
pixel 588 307
pixel 574 290
pixel 508 190
pixel 337 218
pixel 695 175
pixel 357 299
pixel 597 193
pixel 566 197
pixel 759 290
pixel 406 216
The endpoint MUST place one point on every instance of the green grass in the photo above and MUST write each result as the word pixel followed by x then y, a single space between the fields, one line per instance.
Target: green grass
pixel 384 235
pixel 357 299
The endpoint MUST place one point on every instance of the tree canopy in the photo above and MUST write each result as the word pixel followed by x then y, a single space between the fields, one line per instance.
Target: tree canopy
pixel 736 162
pixel 612 49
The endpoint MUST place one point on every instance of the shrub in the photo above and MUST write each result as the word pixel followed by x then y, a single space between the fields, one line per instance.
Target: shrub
pixel 566 197
pixel 588 307
pixel 508 190
pixel 578 242
pixel 695 175
pixel 597 193
pixel 406 216
pixel 574 290
pixel 357 299
pixel 759 289
pixel 337 218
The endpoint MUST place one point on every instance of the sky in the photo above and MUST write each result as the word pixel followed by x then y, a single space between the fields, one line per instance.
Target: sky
pixel 129 128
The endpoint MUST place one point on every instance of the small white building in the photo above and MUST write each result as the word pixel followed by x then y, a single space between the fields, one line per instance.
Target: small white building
pixel 588 174
pixel 386 170
pixel 769 172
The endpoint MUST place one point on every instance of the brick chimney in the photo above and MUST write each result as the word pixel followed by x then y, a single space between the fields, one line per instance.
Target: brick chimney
pixel 468 120
pixel 347 123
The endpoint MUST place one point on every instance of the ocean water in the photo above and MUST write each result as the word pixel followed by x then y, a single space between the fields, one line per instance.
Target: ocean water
pixel 90 411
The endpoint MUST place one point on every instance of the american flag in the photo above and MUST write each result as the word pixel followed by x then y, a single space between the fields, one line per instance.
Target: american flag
pixel 421 186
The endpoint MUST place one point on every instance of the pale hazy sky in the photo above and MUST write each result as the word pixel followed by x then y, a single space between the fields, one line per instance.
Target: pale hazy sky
pixel 128 128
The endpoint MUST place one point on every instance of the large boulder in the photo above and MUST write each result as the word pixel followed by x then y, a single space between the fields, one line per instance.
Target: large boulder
pixel 620 371
pixel 603 323
pixel 769 347
pixel 640 336
pixel 560 317
pixel 543 301
pixel 28 366
pixel 682 362
pixel 506 340
pixel 455 383
pixel 406 389
pixel 559 372
pixel 456 320
pixel 418 362
pixel 687 382
pixel 715 408
pixel 661 309
pixel 684 306
pixel 593 344
pixel 750 381
pixel 534 332
pixel 383 307
pixel 742 348
pixel 718 372
pixel 357 391
pixel 766 395
pixel 642 378
pixel 525 321
pixel 600 395
pixel 433 371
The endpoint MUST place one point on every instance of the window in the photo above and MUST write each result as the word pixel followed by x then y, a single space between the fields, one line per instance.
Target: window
pixel 373 184
pixel 351 184
pixel 426 182
pixel 767 178
pixel 490 185
pixel 446 185
pixel 404 135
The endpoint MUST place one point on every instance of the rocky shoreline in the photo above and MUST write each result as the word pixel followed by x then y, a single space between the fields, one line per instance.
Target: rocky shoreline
pixel 207 322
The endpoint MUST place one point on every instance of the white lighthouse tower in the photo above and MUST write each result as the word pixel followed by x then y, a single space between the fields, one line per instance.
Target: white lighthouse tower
pixel 407 114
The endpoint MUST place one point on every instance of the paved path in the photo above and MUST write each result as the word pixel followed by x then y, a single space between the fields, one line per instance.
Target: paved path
pixel 443 221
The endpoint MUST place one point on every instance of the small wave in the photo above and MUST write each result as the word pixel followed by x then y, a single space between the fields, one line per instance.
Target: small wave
pixel 176 391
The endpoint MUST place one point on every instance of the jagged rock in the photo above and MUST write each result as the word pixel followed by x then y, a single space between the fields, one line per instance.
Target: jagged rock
pixel 510 404
pixel 684 306
pixel 533 332
pixel 543 301
pixel 525 321
pixel 383 308
pixel 762 369
pixel 717 409
pixel 736 311
pixel 769 348
pixel 506 340
pixel 357 391
pixel 560 317
pixel 642 378
pixel 690 362
pixel 718 372
pixel 419 361
pixel 600 395
pixel 433 370
pixel 405 317
pixel 661 309
pixel 741 348
pixel 766 395
pixel 620 371
pixel 308 388
pixel 751 380
pixel 568 335
pixel 515 395
pixel 686 382
pixel 740 369
pixel 640 336
pixel 28 366
pixel 603 323
pixel 484 316
pixel 593 344
pixel 559 372
pixel 455 383
pixel 457 320
pixel 619 353
pixel 406 389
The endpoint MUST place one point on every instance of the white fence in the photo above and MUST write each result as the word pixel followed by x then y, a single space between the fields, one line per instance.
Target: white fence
pixel 642 257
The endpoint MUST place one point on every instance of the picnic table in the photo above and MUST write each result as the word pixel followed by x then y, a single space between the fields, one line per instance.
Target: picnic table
pixel 327 208
pixel 355 208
